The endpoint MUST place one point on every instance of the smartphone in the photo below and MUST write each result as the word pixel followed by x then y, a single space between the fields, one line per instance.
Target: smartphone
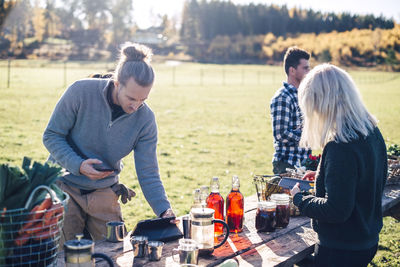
pixel 102 168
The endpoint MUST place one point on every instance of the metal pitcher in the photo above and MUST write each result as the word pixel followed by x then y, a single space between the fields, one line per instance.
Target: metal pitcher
pixel 79 253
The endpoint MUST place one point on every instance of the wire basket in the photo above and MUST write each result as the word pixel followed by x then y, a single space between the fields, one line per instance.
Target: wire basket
pixel 266 185
pixel 31 238
pixel 394 170
pixel 292 173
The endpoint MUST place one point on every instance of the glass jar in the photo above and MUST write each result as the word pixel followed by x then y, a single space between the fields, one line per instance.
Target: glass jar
pixel 266 216
pixel 282 209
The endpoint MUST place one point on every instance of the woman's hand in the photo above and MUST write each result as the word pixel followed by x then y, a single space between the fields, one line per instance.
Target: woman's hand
pixel 309 176
pixel 295 189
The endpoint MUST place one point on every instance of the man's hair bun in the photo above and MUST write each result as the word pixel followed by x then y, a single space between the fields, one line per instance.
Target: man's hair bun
pixel 136 52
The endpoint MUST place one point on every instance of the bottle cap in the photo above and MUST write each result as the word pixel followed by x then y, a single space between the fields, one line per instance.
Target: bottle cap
pixel 235 182
pixel 214 184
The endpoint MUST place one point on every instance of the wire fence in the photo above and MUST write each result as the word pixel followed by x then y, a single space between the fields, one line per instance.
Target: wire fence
pixel 61 73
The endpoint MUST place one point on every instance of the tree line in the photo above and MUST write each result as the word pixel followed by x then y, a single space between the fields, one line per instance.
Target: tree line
pixel 205 20
pixel 358 47
pixel 220 31
pixel 85 24
pixel 211 31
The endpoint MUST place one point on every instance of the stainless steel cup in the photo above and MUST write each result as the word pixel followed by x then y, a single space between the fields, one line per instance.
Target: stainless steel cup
pixel 139 246
pixel 115 231
pixel 187 251
pixel 154 250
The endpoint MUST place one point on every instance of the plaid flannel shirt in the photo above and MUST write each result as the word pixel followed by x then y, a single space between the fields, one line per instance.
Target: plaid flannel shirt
pixel 286 126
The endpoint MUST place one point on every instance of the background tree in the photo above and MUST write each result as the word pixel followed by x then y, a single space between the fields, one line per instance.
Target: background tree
pixel 122 22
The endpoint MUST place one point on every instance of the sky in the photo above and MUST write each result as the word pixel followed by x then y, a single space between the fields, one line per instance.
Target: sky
pixel 147 11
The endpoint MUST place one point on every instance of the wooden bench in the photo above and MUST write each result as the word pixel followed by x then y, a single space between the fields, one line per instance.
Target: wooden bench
pixel 284 247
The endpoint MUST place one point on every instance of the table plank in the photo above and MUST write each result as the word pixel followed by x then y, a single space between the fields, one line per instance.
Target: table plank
pixel 284 247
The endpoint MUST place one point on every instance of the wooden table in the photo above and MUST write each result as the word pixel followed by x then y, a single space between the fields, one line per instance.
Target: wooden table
pixel 284 247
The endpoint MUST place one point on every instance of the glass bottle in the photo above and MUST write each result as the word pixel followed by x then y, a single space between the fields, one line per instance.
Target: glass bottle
pixel 216 202
pixel 282 209
pixel 235 207
pixel 203 195
pixel 197 199
pixel 266 216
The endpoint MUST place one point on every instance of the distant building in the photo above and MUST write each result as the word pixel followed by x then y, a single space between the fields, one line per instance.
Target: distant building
pixel 152 36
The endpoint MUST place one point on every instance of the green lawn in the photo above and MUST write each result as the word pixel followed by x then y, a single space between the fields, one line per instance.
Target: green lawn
pixel 213 120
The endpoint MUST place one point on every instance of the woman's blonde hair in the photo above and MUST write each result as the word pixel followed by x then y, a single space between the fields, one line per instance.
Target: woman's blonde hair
pixel 332 108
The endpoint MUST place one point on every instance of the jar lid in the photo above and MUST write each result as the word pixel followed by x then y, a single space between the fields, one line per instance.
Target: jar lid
pixel 280 197
pixel 78 243
pixel 266 205
pixel 202 213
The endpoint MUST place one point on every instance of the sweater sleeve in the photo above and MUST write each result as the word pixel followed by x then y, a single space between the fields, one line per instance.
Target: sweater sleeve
pixel 147 169
pixel 55 136
pixel 340 174
pixel 281 113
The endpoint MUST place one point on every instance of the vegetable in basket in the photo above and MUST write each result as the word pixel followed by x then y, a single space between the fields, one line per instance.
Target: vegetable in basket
pixel 311 163
pixel 40 220
pixel 394 150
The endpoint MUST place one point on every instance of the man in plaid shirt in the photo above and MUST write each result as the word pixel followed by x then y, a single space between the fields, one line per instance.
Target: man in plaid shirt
pixel 286 114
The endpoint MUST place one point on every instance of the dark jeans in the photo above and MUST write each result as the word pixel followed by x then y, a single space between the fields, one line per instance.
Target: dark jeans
pixel 329 257
pixel 280 167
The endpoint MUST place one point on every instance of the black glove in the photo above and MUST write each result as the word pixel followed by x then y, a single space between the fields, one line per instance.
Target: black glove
pixel 124 192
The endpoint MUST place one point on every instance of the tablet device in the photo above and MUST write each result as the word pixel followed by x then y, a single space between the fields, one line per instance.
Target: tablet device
pixel 159 229
pixel 288 183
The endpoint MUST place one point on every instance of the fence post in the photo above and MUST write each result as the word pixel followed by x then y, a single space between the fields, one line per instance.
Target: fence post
pixel 9 73
pixel 201 76
pixel 65 74
pixel 173 75
pixel 273 77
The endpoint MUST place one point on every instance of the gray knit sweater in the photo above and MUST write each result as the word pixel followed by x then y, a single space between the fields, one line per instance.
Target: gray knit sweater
pixel 84 115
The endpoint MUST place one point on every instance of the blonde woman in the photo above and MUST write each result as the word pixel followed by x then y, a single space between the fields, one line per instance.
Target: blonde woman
pixel 346 210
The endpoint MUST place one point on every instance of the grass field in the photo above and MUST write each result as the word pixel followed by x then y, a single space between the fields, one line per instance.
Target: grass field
pixel 213 120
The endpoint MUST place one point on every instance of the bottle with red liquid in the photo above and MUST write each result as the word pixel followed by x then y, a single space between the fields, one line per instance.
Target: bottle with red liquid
pixel 235 207
pixel 216 202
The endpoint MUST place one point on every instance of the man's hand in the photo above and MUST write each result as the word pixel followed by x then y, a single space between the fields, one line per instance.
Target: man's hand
pixel 169 213
pixel 123 191
pixel 88 170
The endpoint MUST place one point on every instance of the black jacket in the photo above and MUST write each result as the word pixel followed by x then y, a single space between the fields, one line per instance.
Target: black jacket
pixel 347 208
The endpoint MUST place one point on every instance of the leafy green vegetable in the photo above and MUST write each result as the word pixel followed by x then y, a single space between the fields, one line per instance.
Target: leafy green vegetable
pixel 394 150
pixel 16 185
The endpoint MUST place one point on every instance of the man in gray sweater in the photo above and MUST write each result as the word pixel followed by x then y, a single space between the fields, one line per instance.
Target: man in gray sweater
pixel 95 124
